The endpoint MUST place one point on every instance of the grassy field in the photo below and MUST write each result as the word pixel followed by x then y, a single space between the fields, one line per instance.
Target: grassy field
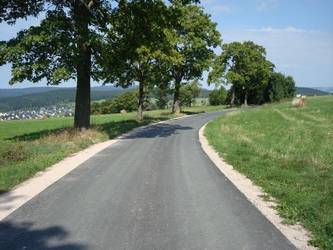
pixel 288 152
pixel 29 146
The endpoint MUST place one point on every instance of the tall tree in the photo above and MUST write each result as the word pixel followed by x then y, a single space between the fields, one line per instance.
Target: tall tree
pixel 65 45
pixel 192 38
pixel 136 42
pixel 244 66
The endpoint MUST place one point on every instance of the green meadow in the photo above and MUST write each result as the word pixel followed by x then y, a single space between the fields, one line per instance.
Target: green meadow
pixel 289 153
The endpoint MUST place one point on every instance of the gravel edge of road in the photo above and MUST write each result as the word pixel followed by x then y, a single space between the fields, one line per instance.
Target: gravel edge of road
pixel 296 234
pixel 25 191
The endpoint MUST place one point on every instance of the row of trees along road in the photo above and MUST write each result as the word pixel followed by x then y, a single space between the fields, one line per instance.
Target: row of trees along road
pixel 125 42
pixel 245 67
pixel 119 42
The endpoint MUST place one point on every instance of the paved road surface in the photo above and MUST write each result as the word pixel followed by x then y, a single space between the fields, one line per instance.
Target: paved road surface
pixel 156 189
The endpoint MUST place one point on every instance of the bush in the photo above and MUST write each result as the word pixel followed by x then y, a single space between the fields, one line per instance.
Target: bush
pixel 127 101
pixel 217 96
pixel 188 93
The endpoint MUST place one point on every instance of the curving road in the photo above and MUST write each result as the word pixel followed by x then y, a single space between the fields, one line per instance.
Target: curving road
pixel 155 189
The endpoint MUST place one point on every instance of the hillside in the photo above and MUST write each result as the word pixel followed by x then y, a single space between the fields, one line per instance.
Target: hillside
pixel 325 89
pixel 28 98
pixel 42 97
pixel 310 91
pixel 12 92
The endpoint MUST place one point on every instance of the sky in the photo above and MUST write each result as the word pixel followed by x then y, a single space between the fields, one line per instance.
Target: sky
pixel 297 35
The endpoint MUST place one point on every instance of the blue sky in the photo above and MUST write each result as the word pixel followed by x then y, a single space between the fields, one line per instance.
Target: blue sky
pixel 297 34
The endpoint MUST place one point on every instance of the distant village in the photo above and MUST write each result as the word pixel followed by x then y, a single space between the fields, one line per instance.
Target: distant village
pixel 40 113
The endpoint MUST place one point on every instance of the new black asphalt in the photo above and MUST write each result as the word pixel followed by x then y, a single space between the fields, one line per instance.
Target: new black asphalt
pixel 155 189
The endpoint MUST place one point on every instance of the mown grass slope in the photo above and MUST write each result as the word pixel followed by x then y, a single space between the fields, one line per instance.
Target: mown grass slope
pixel 288 152
pixel 29 146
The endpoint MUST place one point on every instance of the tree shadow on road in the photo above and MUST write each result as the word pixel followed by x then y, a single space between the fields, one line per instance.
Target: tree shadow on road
pixel 158 130
pixel 112 129
pixel 24 236
pixel 193 112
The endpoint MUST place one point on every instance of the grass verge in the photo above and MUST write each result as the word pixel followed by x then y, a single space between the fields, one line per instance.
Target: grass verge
pixel 29 146
pixel 289 153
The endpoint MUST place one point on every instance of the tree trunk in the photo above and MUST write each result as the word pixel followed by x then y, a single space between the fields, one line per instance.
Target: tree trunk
pixel 83 66
pixel 245 99
pixel 141 101
pixel 176 105
pixel 232 102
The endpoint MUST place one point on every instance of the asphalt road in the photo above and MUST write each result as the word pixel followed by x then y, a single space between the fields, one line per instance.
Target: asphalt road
pixel 156 189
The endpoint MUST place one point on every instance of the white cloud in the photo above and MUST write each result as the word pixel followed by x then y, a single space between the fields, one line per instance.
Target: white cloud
pixel 289 29
pixel 267 5
pixel 305 54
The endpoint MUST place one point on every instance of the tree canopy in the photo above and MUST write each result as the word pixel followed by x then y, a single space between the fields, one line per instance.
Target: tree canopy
pixel 243 65
pixel 192 40
pixel 135 46
pixel 65 45
pixel 156 39
pixel 70 41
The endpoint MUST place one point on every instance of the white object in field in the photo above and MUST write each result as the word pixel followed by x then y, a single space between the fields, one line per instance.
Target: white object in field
pixel 298 101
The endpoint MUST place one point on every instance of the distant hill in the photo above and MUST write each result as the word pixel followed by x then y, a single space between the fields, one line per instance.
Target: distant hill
pixel 325 89
pixel 310 91
pixel 4 93
pixel 43 97
pixel 28 98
